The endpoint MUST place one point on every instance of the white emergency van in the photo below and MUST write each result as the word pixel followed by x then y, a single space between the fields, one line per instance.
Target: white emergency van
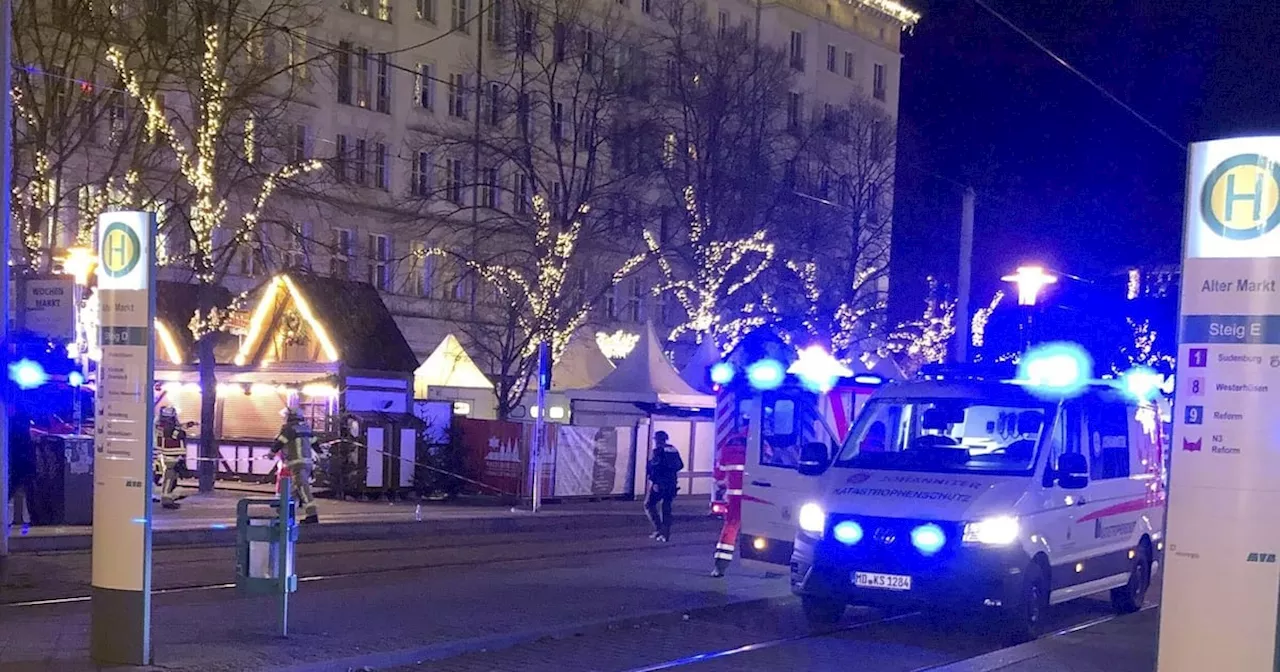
pixel 981 494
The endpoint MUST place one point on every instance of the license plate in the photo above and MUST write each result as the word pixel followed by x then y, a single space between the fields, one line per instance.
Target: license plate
pixel 881 581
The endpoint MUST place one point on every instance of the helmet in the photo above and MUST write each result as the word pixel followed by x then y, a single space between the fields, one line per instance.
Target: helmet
pixel 168 413
pixel 292 415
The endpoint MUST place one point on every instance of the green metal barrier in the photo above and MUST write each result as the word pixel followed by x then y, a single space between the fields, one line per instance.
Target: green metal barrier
pixel 265 541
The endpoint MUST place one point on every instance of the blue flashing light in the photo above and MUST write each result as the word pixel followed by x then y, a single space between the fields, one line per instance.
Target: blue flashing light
pixel 722 373
pixel 1142 383
pixel 1056 369
pixel 75 379
pixel 928 539
pixel 868 379
pixel 27 374
pixel 847 532
pixel 817 369
pixel 766 374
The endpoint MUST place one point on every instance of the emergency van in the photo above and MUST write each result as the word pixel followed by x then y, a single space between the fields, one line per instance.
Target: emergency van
pixel 977 493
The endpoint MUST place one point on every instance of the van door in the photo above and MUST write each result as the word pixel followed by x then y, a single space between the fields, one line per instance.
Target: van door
pixel 1115 500
pixel 1055 520
pixel 780 422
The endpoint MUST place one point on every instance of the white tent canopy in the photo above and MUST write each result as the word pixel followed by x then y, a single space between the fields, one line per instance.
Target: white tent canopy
pixel 449 366
pixel 695 372
pixel 645 376
pixel 582 365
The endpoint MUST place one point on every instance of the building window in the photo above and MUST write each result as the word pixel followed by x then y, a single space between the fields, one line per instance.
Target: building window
pixel 384 10
pixel 646 6
pixel 299 149
pixel 420 175
pixel 489 188
pixel 848 64
pixel 344 243
pixel 494 23
pixel 795 110
pixel 878 82
pixel 453 180
pixel 722 23
pixel 340 171
pixel 559 42
pixel 637 307
pixel 588 51
pixel 253 259
pixel 296 254
pixel 458 96
pixel 424 88
pixel 797 50
pixel 557 122
pixel 419 281
pixel 669 150
pixel 360 163
pixel 493 104
pixel 362 59
pixel 460 22
pixel 344 72
pixel 528 30
pixel 520 189
pixel 381 172
pixel 297 56
pixel 831 58
pixel 611 303
pixel 379 270
pixel 383 103
pixel 522 113
pixel 557 196
pixel 427 10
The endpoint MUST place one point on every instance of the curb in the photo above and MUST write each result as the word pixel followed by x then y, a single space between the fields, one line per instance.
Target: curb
pixel 445 650
pixel 357 531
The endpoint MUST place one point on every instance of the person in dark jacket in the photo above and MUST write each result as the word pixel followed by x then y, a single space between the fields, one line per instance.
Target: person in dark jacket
pixel 664 465
pixel 22 463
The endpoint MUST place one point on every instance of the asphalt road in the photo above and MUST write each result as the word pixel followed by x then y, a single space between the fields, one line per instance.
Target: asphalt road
pixel 555 601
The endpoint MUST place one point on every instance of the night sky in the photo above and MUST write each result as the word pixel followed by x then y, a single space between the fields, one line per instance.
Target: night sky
pixel 1064 176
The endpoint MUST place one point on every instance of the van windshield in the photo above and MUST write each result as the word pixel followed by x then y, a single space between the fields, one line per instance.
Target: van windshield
pixel 946 435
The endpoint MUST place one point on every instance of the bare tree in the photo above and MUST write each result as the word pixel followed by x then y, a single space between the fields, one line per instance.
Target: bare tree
pixel 221 106
pixel 535 180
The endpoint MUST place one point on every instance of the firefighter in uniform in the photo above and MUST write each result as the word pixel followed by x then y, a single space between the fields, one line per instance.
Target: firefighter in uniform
pixel 730 471
pixel 171 448
pixel 297 443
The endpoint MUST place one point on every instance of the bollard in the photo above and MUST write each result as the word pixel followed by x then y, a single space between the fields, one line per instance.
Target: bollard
pixel 265 549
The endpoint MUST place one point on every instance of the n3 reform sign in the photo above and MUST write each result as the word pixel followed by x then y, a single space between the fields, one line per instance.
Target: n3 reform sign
pixel 123 439
pixel 1220 601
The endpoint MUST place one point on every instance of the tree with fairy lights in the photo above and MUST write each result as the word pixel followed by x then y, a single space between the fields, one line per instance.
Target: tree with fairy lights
pixel 536 300
pixel 221 108
pixel 924 340
pixel 1145 350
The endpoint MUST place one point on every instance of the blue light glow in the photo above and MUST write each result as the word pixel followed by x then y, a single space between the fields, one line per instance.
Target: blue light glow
pixel 847 532
pixel 27 374
pixel 1056 369
pixel 75 379
pixel 722 373
pixel 817 369
pixel 868 379
pixel 928 539
pixel 1143 383
pixel 766 374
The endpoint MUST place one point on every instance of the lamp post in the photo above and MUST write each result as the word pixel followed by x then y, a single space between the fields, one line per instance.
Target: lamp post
pixel 1030 281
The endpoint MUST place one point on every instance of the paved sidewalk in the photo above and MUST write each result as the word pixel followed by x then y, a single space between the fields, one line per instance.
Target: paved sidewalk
pixel 210 519
pixel 1124 644
pixel 402 618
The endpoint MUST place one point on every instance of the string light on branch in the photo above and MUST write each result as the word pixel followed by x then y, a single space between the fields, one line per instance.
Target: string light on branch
pixel 978 329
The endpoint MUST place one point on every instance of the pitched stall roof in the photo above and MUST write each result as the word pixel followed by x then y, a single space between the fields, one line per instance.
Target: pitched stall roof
pixel 176 304
pixel 646 376
pixel 581 366
pixel 354 320
pixel 449 365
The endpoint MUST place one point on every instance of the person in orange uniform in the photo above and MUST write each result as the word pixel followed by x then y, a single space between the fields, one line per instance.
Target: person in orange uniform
pixel 730 470
pixel 171 447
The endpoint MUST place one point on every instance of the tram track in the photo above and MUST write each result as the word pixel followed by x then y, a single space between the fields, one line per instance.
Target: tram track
pixel 375 571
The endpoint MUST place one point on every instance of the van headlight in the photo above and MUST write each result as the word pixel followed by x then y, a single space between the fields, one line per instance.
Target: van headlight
pixel 995 531
pixel 813 519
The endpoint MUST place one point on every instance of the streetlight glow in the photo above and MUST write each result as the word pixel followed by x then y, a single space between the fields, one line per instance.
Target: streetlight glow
pixel 1030 281
pixel 79 262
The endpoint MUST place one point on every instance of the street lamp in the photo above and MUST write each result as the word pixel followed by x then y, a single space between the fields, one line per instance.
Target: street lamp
pixel 1030 281
pixel 79 262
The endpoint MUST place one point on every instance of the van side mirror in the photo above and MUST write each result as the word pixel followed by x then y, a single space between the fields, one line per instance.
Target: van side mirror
pixel 813 459
pixel 1072 472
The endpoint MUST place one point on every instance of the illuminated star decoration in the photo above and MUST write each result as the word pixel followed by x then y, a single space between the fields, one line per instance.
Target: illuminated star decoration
pixel 817 369
pixel 1030 281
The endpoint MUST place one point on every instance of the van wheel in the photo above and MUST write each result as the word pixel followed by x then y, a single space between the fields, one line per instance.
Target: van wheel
pixel 1026 619
pixel 822 611
pixel 1131 596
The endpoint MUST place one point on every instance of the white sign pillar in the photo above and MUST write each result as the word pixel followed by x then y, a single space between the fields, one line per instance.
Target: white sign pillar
pixel 120 630
pixel 1222 576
